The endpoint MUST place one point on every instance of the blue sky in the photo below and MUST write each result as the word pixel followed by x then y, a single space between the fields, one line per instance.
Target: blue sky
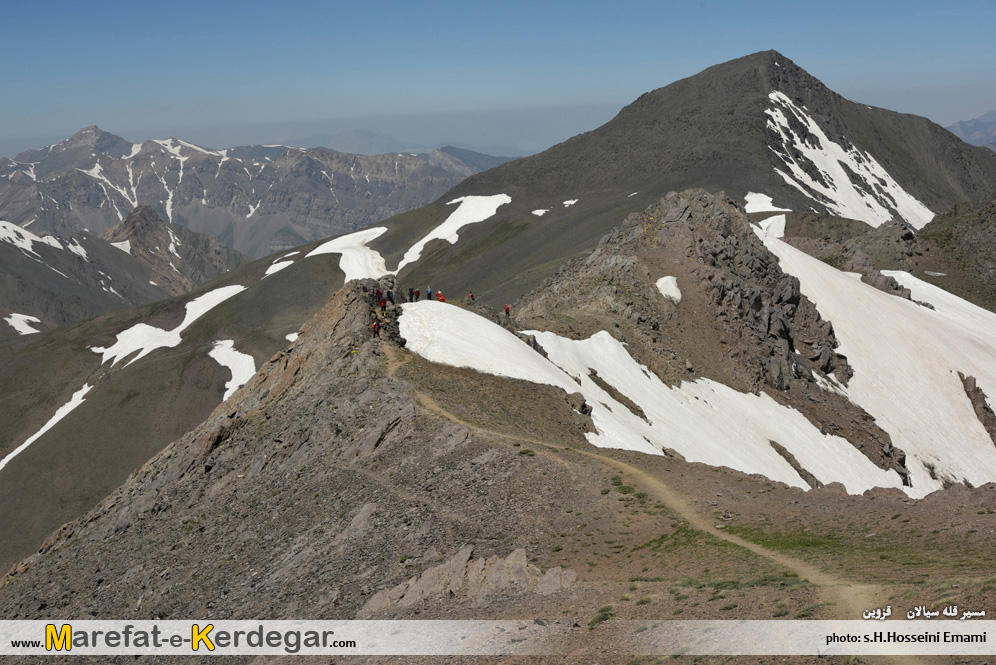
pixel 220 73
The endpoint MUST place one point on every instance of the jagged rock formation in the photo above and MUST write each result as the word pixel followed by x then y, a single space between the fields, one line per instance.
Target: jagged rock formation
pixel 179 259
pixel 980 404
pixel 734 300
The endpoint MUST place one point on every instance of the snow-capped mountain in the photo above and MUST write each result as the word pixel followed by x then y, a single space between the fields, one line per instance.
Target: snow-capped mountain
pixel 756 124
pixel 258 199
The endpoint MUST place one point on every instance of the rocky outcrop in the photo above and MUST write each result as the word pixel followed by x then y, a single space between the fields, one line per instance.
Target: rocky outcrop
pixel 179 259
pixel 980 404
pixel 471 579
pixel 741 320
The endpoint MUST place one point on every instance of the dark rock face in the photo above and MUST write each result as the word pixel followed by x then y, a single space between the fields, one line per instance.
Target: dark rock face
pixel 734 299
pixel 980 404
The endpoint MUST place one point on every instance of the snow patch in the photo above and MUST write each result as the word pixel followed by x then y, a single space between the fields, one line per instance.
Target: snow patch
pixel 761 203
pixel 541 212
pixel 357 261
pixel 61 413
pixel 774 226
pixel 292 337
pixel 24 239
pixel 876 200
pixel 124 246
pixel 569 203
pixel 472 210
pixel 241 365
pixel 22 323
pixel 145 339
pixel 173 242
pixel 277 266
pixel 76 248
pixel 668 286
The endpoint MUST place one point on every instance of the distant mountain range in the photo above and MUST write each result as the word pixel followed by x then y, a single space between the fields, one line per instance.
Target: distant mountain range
pixel 257 199
pixel 980 131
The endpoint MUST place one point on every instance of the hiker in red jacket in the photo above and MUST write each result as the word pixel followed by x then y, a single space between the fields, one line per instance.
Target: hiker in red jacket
pixel 375 327
pixel 507 315
pixel 383 307
pixel 471 296
pixel 440 297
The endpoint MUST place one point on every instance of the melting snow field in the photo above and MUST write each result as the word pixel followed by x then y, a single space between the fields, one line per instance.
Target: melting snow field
pixel 358 261
pixel 472 210
pixel 761 203
pixel 906 360
pixel 124 246
pixel 61 413
pixel 22 323
pixel 145 339
pixel 240 364
pixel 704 421
pixel 872 201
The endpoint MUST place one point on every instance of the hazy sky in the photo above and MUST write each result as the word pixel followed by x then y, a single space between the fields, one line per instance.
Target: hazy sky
pixel 521 75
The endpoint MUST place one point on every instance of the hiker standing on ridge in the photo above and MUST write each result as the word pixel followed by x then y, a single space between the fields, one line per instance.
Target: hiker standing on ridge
pixel 375 327
pixel 507 314
pixel 428 293
pixel 471 296
pixel 390 296
pixel 418 295
pixel 411 294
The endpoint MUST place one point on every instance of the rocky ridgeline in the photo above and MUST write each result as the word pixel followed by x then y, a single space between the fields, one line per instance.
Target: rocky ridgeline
pixel 740 321
pixel 315 486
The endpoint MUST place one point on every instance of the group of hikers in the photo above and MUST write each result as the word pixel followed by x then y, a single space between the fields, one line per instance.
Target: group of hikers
pixel 414 295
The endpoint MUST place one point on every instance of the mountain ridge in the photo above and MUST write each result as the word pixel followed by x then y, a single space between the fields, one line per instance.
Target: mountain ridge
pixel 259 199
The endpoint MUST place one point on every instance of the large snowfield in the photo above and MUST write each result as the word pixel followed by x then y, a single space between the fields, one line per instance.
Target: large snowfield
pixel 704 421
pixel 906 359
